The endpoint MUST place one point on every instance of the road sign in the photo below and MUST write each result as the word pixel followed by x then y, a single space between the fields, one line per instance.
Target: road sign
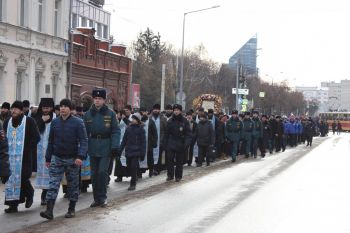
pixel 240 91
pixel 261 94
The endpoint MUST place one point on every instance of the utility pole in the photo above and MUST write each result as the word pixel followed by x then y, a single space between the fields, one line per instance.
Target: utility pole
pixel 69 77
pixel 162 94
pixel 237 87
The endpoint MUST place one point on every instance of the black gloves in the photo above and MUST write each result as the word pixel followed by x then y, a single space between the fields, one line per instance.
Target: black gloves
pixel 4 179
pixel 115 153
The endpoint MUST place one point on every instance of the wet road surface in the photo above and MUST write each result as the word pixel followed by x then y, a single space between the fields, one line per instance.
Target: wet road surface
pixel 300 190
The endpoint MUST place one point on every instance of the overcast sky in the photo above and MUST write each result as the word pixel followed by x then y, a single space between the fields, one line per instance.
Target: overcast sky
pixel 303 41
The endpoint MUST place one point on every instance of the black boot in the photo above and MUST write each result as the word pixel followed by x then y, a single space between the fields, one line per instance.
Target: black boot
pixel 48 214
pixel 11 209
pixel 71 210
pixel 132 187
pixel 29 202
pixel 43 197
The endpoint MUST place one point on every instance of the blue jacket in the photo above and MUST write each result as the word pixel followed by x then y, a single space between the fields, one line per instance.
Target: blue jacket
pixel 134 141
pixel 67 139
pixel 292 127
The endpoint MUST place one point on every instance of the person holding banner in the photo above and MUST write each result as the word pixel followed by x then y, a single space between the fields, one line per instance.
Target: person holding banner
pixel 23 136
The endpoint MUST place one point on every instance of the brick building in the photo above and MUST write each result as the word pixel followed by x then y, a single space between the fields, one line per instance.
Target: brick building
pixel 96 64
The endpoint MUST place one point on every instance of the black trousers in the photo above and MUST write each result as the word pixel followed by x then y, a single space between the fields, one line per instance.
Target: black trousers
pixel 132 165
pixel 189 155
pixel 309 140
pixel 150 161
pixel 203 151
pixel 175 158
pixel 280 143
pixel 27 192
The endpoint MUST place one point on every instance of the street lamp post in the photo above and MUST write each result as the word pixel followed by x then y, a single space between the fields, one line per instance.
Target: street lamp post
pixel 182 51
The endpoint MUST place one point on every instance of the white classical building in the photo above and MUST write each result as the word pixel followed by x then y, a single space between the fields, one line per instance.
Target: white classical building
pixel 33 49
pixel 316 93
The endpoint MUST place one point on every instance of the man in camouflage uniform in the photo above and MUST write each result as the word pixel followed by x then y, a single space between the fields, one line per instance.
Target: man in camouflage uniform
pixel 66 149
pixel 104 140
pixel 256 133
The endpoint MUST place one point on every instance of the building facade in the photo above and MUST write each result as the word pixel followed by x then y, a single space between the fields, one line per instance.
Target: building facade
pixel 99 64
pixel 338 95
pixel 90 13
pixel 246 56
pixel 316 94
pixel 33 49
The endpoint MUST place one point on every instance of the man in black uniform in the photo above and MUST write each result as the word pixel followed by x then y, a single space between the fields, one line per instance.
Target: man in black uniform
pixel 279 135
pixel 177 140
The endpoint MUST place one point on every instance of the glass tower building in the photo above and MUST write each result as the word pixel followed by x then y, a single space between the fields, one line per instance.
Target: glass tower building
pixel 246 56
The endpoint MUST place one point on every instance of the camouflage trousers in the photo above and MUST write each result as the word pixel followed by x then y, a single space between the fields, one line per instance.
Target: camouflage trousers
pixel 57 169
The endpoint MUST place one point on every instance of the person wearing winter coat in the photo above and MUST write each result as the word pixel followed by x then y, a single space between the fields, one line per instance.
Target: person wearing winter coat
pixel 4 157
pixel 177 140
pixel 205 137
pixel 266 135
pixel 256 133
pixel 134 143
pixel 309 132
pixel 233 131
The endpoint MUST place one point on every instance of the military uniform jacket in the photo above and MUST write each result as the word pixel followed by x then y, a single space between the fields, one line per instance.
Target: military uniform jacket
pixel 257 128
pixel 103 131
pixel 233 129
pixel 247 130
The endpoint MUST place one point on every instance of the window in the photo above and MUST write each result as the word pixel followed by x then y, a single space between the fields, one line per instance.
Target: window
pixel 99 30
pixel 1 7
pixel 74 21
pixel 105 31
pixel 56 18
pixel 83 22
pixel 40 15
pixel 21 20
pixel 91 23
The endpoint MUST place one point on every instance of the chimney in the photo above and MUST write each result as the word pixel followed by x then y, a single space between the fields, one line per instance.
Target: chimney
pixel 120 49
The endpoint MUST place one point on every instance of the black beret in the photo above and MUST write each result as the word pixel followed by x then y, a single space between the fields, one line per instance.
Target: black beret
pixel 247 113
pixel 210 111
pixel 67 103
pixel 99 93
pixel 47 102
pixel 177 106
pixel 5 105
pixel 201 109
pixel 263 116
pixel 57 107
pixel 189 113
pixel 17 104
pixel 255 112
pixel 278 117
pixel 156 106
pixel 234 112
pixel 26 103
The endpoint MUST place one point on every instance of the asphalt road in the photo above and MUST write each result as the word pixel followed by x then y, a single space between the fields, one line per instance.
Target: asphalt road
pixel 301 190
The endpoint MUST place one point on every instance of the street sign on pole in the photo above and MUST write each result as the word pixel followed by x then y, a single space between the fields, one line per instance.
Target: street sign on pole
pixel 261 94
pixel 240 91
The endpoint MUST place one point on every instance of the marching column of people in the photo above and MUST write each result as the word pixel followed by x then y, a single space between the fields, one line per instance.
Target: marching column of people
pixel 64 142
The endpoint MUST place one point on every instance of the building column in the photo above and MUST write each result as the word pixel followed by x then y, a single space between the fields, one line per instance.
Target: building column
pixel 31 81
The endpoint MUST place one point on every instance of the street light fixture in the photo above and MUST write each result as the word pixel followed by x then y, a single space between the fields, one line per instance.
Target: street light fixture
pixel 182 50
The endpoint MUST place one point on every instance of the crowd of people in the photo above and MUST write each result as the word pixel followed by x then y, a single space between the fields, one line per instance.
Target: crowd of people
pixel 66 146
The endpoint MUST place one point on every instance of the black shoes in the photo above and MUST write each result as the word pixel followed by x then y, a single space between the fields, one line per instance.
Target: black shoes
pixel 119 179
pixel 233 160
pixel 99 204
pixel 71 210
pixel 11 210
pixel 177 179
pixel 29 202
pixel 132 188
pixel 169 178
pixel 48 214
pixel 198 165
